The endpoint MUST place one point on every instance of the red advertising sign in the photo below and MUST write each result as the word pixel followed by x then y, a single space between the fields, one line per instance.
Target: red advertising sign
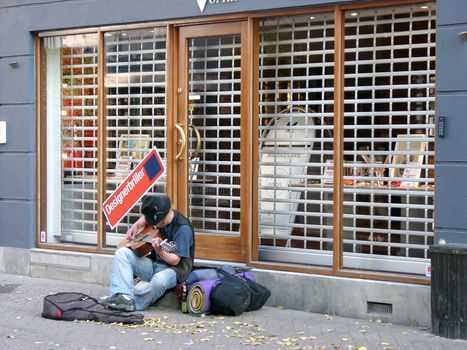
pixel 135 185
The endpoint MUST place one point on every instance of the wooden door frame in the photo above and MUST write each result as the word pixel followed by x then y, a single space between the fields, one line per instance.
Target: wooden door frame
pixel 209 246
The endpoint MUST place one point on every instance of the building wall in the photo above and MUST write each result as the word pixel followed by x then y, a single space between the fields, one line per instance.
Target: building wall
pixel 451 102
pixel 19 19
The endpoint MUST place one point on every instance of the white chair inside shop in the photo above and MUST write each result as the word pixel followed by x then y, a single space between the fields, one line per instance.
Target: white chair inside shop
pixel 284 156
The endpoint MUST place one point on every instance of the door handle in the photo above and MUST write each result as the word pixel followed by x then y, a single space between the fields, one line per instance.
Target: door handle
pixel 181 141
pixel 198 141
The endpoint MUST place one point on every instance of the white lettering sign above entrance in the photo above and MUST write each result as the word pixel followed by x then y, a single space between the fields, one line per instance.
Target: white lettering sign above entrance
pixel 202 3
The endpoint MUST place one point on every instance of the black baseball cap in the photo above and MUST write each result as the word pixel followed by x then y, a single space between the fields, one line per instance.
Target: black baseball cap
pixel 155 209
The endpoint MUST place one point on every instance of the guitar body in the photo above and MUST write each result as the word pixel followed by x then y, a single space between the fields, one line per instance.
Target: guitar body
pixel 141 244
pixel 141 248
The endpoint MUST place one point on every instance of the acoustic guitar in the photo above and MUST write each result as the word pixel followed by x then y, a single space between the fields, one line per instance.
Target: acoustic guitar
pixel 141 244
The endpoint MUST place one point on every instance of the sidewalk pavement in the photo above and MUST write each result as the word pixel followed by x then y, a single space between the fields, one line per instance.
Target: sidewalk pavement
pixel 22 327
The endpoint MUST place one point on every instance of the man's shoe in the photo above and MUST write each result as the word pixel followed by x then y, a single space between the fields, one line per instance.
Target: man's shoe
pixel 121 302
pixel 104 301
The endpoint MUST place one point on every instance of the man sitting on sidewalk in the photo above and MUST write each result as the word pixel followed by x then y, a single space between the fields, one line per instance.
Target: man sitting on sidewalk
pixel 157 272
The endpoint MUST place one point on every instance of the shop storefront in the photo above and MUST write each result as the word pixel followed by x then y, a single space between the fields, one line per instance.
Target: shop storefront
pixel 301 138
pixel 300 141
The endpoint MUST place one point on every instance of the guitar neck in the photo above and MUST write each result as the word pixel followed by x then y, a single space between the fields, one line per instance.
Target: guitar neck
pixel 147 234
pixel 168 247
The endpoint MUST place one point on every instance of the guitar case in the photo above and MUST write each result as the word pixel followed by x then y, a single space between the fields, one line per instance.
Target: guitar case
pixel 70 306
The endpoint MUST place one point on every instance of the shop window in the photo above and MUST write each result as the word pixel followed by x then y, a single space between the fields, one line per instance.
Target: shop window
pixel 71 113
pixel 389 137
pixel 388 141
pixel 295 146
pixel 135 87
pixel 135 120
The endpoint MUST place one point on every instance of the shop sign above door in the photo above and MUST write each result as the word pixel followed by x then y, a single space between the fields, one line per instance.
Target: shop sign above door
pixel 202 3
pixel 135 185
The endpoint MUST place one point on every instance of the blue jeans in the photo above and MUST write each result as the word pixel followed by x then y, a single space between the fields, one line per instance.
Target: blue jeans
pixel 126 264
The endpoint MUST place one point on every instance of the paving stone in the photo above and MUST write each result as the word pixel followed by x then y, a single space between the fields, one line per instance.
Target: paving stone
pixel 22 327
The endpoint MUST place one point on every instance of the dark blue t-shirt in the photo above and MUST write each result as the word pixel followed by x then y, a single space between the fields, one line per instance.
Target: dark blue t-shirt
pixel 182 237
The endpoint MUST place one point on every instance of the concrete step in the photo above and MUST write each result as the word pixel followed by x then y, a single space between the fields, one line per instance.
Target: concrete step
pixel 349 297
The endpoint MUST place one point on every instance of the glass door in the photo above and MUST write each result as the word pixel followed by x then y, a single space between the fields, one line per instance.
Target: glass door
pixel 210 112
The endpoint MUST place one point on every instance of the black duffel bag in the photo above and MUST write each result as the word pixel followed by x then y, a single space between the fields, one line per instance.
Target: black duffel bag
pixel 259 295
pixel 232 295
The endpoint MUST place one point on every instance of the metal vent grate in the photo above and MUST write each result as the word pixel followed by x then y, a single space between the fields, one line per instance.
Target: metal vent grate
pixel 378 308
